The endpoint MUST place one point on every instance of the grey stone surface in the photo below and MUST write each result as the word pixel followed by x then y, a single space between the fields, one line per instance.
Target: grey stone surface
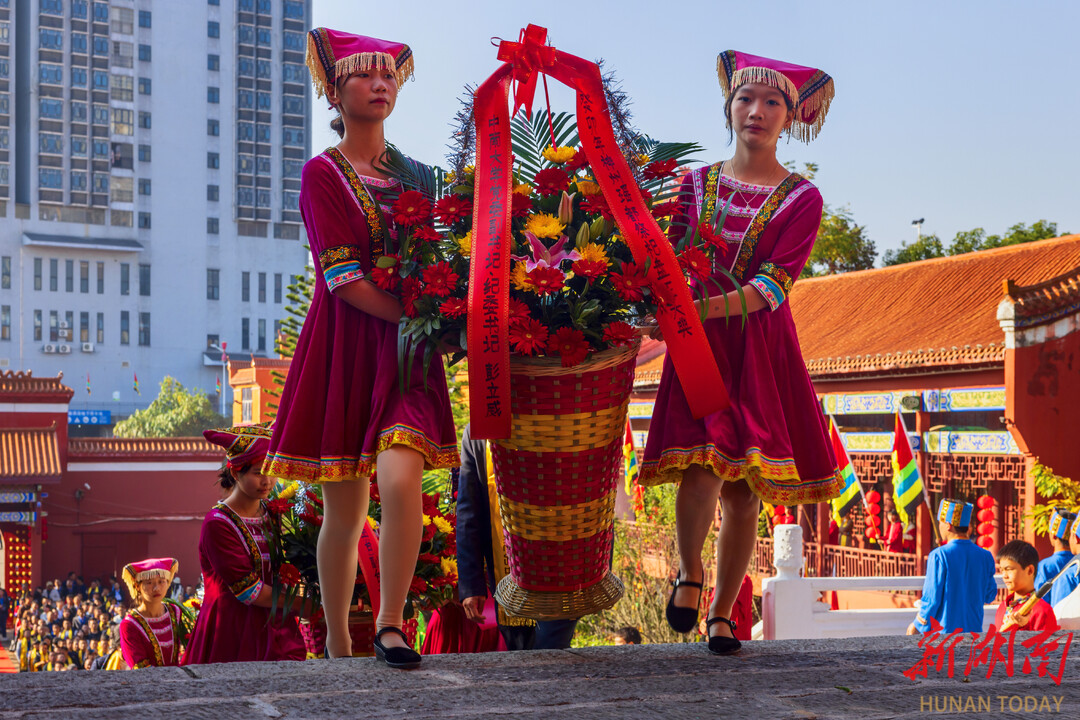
pixel 798 680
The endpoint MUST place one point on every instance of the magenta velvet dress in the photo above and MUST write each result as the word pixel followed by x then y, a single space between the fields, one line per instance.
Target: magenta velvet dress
pixel 774 434
pixel 235 561
pixel 153 642
pixel 342 405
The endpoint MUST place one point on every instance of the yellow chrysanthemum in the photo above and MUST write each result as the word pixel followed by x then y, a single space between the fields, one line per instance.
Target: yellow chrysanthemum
pixel 449 566
pixel 469 170
pixel 464 244
pixel 523 189
pixel 559 155
pixel 443 525
pixel 641 160
pixel 593 252
pixel 290 491
pixel 520 279
pixel 450 177
pixel 543 225
pixel 588 188
pixel 427 520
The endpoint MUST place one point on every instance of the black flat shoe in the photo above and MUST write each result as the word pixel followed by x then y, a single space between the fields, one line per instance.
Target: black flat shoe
pixel 682 619
pixel 396 657
pixel 719 644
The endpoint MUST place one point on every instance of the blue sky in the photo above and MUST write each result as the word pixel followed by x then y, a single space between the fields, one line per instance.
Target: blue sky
pixel 965 113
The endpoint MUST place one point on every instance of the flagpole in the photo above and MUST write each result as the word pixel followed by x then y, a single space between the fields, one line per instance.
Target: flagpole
pixel 858 482
pixel 926 497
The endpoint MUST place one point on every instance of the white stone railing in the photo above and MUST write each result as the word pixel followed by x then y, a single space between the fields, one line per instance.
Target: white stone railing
pixel 791 608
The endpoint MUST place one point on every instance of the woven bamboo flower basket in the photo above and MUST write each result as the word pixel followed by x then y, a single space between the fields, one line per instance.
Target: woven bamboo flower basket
pixel 556 478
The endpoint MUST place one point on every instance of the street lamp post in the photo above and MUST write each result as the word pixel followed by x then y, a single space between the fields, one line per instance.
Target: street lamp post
pixel 224 374
pixel 918 228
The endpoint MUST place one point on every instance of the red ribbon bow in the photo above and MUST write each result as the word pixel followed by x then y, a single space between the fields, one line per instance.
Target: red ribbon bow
pixel 528 57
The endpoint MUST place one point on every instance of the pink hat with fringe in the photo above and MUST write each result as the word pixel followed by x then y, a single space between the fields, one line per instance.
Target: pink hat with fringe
pixel 332 54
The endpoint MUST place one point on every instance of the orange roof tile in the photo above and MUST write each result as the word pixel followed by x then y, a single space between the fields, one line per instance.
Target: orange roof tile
pixel 932 314
pixel 24 387
pixel 142 448
pixel 1046 301
pixel 29 455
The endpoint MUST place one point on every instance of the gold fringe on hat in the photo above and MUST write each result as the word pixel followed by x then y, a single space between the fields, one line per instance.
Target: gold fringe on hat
pixel 132 579
pixel 816 106
pixel 357 62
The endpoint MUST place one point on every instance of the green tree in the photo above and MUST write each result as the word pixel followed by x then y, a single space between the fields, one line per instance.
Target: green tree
pixel 841 246
pixel 1059 492
pixel 299 295
pixel 175 412
pixel 926 247
pixel 977 239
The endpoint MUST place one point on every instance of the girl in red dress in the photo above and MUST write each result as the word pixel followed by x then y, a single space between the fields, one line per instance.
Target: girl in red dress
pixel 343 414
pixel 234 621
pixel 773 438
pixel 153 633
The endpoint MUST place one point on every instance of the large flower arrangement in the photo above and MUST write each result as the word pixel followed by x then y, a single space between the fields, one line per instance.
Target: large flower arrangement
pixel 296 515
pixel 575 288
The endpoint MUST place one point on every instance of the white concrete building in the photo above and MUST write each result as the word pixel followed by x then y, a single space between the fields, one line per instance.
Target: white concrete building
pixel 150 157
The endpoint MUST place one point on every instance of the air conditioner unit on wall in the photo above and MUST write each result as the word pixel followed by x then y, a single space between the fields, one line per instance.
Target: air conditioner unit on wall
pixel 63 325
pixel 50 348
pixel 64 349
pixel 88 347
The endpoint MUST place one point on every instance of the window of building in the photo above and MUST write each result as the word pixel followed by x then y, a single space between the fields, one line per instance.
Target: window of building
pixel 264 101
pixel 144 153
pixel 246 5
pixel 213 127
pixel 212 226
pixel 245 286
pixel 144 279
pixel 101 80
pixel 50 108
pixel 292 105
pixel 78 78
pixel 144 220
pixel 263 133
pixel 50 143
pixel 125 279
pixel 294 9
pixel 213 29
pixel 145 53
pixel 69 275
pixel 123 54
pixel 50 178
pixel 245 196
pixel 213 160
pixel 264 6
pixel 54 326
pixel 277 288
pixel 144 18
pixel 5 272
pixel 78 150
pixel 123 20
pixel 263 35
pixel 245 405
pixel 37 273
pixel 54 272
pixel 144 186
pixel 50 39
pixel 120 218
pixel 213 284
pixel 101 278
pixel 213 62
pixel 37 325
pixel 293 136
pixel 262 287
pixel 262 335
pixel 78 8
pixel 213 192
pixel 245 164
pixel 290 200
pixel 84 276
pixel 5 322
pixel 69 334
pixel 84 327
pixel 79 42
pixel 100 182
pixel 213 95
pixel 99 114
pixel 144 86
pixel 292 168
pixel 122 87
pixel 246 34
pixel 123 121
pixel 100 328
pixel 245 334
pixel 213 2
pixel 144 329
pixel 101 45
pixel 212 341
pixel 245 131
pixel 262 165
pixel 125 328
pixel 294 73
pixel 101 149
pixel 52 7
pixel 144 120
pixel 263 70
pixel 295 41
pixel 78 114
pixel 122 189
pixel 245 99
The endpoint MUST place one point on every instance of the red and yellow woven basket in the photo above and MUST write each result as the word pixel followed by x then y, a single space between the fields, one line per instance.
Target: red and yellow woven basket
pixel 556 478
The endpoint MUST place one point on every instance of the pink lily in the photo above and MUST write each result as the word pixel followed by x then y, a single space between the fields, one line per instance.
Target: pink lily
pixel 542 256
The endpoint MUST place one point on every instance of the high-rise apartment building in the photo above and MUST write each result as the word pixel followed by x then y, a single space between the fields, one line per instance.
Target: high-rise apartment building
pixel 150 158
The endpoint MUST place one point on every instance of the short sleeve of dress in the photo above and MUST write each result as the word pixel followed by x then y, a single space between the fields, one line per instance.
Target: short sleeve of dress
pixel 330 230
pixel 686 211
pixel 230 558
pixel 134 645
pixel 777 273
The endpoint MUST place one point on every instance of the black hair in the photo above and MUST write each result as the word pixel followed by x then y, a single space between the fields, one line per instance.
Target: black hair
pixel 226 479
pixel 727 111
pixel 1020 552
pixel 960 529
pixel 631 635
pixel 338 125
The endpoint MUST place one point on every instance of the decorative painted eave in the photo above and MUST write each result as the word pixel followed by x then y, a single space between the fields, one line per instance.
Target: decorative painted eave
pixel 142 449
pixel 23 387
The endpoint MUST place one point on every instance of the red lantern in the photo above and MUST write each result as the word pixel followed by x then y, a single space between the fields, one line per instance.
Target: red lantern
pixel 985 541
pixel 779 511
pixel 984 502
pixel 778 520
pixel 873 520
pixel 986 515
pixel 873 509
pixel 873 496
pixel 986 528
pixel 871 533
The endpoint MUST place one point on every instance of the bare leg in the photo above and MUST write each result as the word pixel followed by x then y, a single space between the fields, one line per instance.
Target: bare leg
pixel 734 547
pixel 695 512
pixel 400 470
pixel 344 511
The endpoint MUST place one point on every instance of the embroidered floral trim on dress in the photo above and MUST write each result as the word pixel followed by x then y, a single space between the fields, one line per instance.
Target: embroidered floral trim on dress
pixel 774 480
pixel 773 293
pixel 757 225
pixel 155 646
pixel 372 214
pixel 247 588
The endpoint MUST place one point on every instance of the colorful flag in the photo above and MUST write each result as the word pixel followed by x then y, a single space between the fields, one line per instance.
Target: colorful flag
pixel 87 382
pixel 634 491
pixel 852 492
pixel 218 384
pixel 135 375
pixel 907 483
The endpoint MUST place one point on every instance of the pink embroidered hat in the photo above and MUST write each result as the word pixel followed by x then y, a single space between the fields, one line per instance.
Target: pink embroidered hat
pixel 136 572
pixel 332 54
pixel 243 443
pixel 809 90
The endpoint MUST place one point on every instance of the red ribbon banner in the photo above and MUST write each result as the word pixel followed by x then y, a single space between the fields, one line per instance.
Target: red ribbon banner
pixel 489 274
pixel 368 557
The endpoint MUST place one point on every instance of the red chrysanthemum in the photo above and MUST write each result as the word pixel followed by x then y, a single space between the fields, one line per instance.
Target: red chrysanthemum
pixel 452 208
pixel 453 307
pixel 429 503
pixel 426 233
pixel 660 169
pixel 427 559
pixel 551 181
pixel 278 506
pixel 418 586
pixel 546 279
pixel 528 336
pixel 665 209
pixel 695 263
pixel 570 344
pixel 645 195
pixel 410 293
pixel 630 283
pixel 411 208
pixel 429 532
pixel 375 492
pixel 289 574
pixel 590 269
pixel 597 205
pixel 387 278
pixel 518 310
pixel 520 205
pixel 709 235
pixel 440 279
pixel 577 163
pixel 620 333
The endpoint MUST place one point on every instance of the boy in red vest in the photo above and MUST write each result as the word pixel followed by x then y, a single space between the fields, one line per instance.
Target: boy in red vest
pixel 1017 561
